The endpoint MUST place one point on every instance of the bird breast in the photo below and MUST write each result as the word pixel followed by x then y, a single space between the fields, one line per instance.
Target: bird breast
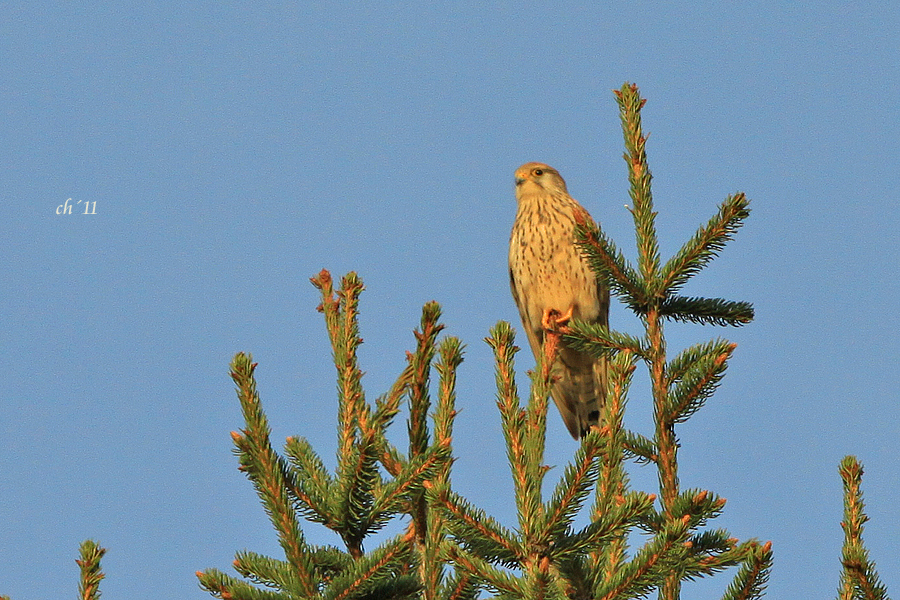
pixel 545 262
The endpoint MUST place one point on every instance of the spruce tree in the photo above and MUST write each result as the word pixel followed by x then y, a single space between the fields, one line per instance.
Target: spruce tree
pixel 451 549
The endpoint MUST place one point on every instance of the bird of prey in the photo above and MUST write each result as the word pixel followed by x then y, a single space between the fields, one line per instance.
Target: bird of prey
pixel 551 283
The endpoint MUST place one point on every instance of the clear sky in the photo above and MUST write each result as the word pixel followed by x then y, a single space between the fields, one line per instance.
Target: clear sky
pixel 231 150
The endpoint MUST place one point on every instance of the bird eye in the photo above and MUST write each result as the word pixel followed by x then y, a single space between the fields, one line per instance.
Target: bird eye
pixel 538 172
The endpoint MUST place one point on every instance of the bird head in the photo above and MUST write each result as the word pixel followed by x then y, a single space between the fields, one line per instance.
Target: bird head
pixel 538 178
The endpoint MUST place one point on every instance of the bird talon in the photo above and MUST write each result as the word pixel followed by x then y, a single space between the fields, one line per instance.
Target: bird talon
pixel 545 319
pixel 553 320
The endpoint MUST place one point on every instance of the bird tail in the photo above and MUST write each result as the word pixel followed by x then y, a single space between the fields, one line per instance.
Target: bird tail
pixel 580 390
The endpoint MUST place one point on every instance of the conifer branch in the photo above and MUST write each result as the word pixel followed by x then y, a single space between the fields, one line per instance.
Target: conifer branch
pixel 267 571
pixel 608 263
pixel 378 574
pixel 422 535
pixel 329 561
pixel 750 581
pixel 499 581
pixel 312 486
pixel 463 586
pixel 475 530
pixel 89 567
pixel 533 522
pixel 695 507
pixel 698 506
pixel 688 358
pixel 386 408
pixel 601 341
pixel 268 471
pixel 581 575
pixel 573 488
pixel 527 476
pixel 542 582
pixel 705 245
pixel 649 568
pixel 356 486
pixel 451 356
pixel 622 513
pixel 358 500
pixel 696 383
pixel 431 565
pixel 630 105
pixel 227 587
pixel 707 311
pixel 613 502
pixel 712 552
pixel 679 389
pixel 391 459
pixel 714 543
pixel 343 331
pixel 664 437
pixel 859 579
pixel 408 484
pixel 419 400
pixel 639 448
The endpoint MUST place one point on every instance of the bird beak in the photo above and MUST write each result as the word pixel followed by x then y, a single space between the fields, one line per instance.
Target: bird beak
pixel 519 181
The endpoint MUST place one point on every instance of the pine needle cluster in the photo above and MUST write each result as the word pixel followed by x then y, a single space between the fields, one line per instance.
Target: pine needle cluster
pixel 374 481
pixel 859 579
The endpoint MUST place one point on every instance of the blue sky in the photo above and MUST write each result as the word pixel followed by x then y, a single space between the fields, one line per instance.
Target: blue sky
pixel 233 149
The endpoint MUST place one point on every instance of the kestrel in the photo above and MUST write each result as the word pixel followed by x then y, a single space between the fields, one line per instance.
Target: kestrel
pixel 549 277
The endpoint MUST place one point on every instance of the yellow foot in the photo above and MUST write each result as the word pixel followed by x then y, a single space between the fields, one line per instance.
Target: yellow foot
pixel 553 320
